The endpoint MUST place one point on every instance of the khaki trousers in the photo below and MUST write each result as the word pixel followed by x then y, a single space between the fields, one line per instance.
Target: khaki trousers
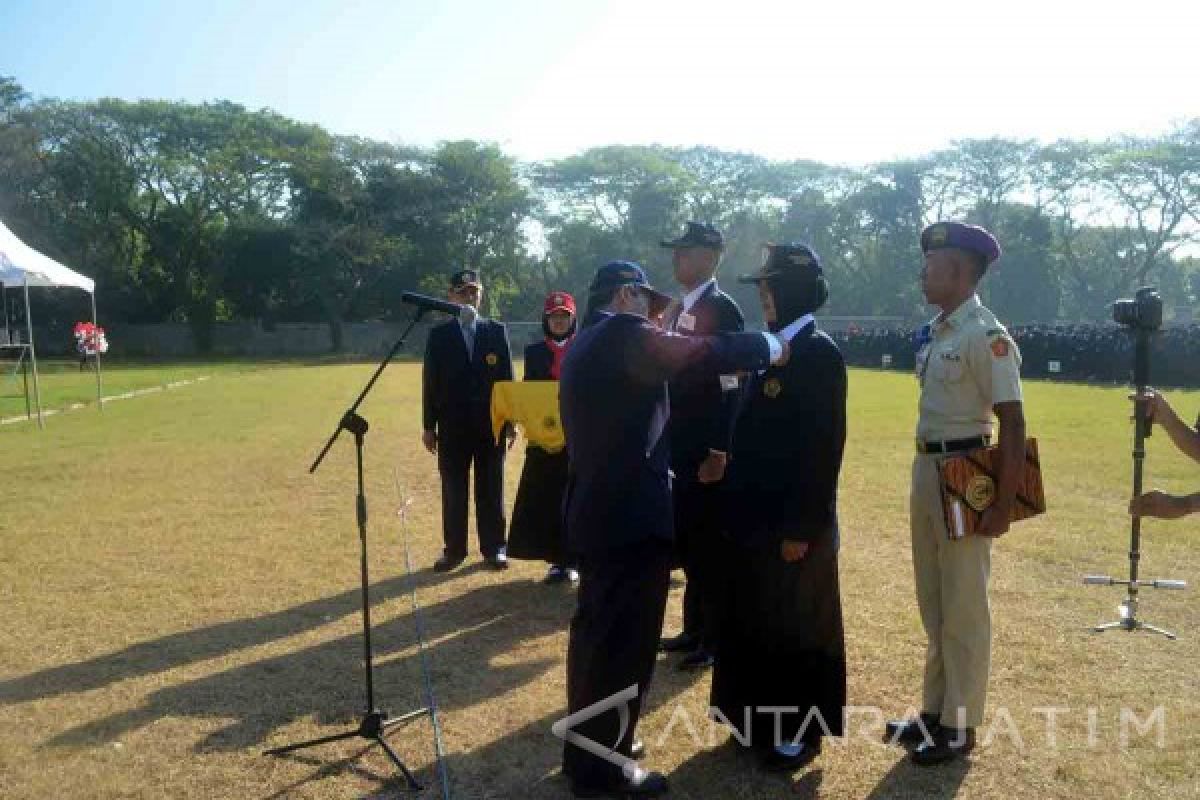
pixel 952 594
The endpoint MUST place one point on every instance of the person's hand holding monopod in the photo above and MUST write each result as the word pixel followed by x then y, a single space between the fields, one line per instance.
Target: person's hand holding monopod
pixel 1157 503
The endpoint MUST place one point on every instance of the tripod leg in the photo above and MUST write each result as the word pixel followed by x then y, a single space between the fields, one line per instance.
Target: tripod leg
pixel 337 737
pixel 1155 629
pixel 1108 626
pixel 413 785
pixel 400 720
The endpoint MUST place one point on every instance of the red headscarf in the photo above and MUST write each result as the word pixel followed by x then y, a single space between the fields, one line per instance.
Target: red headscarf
pixel 558 301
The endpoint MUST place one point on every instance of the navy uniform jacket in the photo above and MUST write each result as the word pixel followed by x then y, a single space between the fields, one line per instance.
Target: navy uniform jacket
pixel 457 394
pixel 538 360
pixel 701 412
pixel 612 397
pixel 788 438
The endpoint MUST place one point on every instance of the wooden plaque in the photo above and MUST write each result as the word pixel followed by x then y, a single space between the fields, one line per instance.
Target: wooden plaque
pixel 968 482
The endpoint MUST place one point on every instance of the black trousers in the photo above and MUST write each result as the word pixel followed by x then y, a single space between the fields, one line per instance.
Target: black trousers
pixel 782 645
pixel 456 456
pixel 613 643
pixel 698 541
pixel 537 532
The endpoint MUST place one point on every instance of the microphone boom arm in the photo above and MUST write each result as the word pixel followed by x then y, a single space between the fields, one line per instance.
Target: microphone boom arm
pixel 350 419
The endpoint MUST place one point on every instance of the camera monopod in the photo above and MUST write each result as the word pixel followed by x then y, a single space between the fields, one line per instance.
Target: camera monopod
pixel 1141 430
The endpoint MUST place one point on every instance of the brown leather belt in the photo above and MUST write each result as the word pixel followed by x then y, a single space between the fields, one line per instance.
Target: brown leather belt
pixel 953 445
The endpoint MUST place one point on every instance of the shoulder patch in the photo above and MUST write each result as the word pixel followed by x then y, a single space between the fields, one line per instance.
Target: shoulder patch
pixel 1000 347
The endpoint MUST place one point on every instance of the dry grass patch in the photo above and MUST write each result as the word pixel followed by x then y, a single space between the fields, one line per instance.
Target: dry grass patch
pixel 179 594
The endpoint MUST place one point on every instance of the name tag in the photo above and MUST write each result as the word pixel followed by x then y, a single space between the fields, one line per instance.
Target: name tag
pixel 686 322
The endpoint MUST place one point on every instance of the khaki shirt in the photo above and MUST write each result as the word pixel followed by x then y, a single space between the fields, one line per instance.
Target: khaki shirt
pixel 969 365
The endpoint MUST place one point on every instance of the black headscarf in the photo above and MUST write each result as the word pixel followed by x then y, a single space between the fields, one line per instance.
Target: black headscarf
pixel 795 294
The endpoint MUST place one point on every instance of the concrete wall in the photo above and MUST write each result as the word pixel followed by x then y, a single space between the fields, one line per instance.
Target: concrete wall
pixel 251 340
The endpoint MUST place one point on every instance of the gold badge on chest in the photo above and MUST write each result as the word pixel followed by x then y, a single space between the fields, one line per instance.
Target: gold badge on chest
pixel 491 359
pixel 772 387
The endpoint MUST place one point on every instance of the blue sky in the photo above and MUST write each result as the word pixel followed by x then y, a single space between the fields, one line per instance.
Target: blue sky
pixel 844 82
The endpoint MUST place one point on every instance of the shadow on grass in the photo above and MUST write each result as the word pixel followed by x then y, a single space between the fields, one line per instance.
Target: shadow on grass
pixel 729 770
pixel 470 639
pixel 323 770
pixel 468 633
pixel 527 762
pixel 906 779
pixel 180 649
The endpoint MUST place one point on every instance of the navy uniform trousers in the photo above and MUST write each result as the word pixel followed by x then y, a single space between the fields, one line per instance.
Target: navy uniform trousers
pixel 613 644
pixel 457 455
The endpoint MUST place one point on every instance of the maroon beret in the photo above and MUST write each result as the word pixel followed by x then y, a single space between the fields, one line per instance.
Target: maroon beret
pixel 962 236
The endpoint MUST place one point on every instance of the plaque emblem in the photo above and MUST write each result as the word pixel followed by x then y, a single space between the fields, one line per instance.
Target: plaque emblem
pixel 981 491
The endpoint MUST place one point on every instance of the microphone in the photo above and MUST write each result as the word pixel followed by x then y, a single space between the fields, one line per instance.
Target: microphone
pixel 427 303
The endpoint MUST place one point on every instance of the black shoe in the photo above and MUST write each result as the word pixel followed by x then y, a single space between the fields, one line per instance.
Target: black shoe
pixel 447 563
pixel 637 750
pixel 498 562
pixel 789 759
pixel 947 745
pixel 555 574
pixel 642 784
pixel 684 642
pixel 913 730
pixel 697 660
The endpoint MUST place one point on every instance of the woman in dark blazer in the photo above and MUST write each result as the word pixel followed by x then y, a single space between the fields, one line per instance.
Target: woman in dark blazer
pixel 779 641
pixel 537 524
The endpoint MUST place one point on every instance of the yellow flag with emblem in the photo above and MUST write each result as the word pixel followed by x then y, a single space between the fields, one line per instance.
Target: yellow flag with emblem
pixel 533 405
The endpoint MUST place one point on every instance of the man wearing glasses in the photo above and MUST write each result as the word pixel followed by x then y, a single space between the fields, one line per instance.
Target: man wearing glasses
pixel 463 358
pixel 613 398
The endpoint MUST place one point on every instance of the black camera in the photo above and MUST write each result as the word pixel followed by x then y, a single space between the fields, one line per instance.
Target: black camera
pixel 1143 312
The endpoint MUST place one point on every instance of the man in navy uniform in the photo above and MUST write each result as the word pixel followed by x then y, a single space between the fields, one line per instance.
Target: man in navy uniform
pixel 463 358
pixel 701 410
pixel 613 397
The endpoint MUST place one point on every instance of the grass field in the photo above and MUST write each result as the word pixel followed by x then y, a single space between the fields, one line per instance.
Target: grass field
pixel 63 384
pixel 177 594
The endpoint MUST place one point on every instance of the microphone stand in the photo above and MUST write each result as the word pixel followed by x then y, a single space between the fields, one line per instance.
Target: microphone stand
pixel 375 723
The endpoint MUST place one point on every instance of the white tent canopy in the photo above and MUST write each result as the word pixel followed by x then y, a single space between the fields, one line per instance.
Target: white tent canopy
pixel 22 266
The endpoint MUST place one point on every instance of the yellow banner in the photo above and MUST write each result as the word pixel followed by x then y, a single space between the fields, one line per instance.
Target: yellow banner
pixel 533 405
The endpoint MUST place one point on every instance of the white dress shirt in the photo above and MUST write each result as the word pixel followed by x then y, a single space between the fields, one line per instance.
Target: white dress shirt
pixel 466 323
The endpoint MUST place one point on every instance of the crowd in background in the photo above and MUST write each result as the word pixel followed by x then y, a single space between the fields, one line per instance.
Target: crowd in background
pixel 1094 353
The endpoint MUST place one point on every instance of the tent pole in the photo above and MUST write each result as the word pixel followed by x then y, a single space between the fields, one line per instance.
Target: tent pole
pixel 37 389
pixel 99 392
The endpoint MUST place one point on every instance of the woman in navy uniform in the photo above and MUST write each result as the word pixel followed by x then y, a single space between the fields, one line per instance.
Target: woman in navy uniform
pixel 780 640
pixel 618 512
pixel 537 532
pixel 463 358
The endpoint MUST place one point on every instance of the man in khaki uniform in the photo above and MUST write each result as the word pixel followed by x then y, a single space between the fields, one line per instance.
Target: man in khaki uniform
pixel 968 368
